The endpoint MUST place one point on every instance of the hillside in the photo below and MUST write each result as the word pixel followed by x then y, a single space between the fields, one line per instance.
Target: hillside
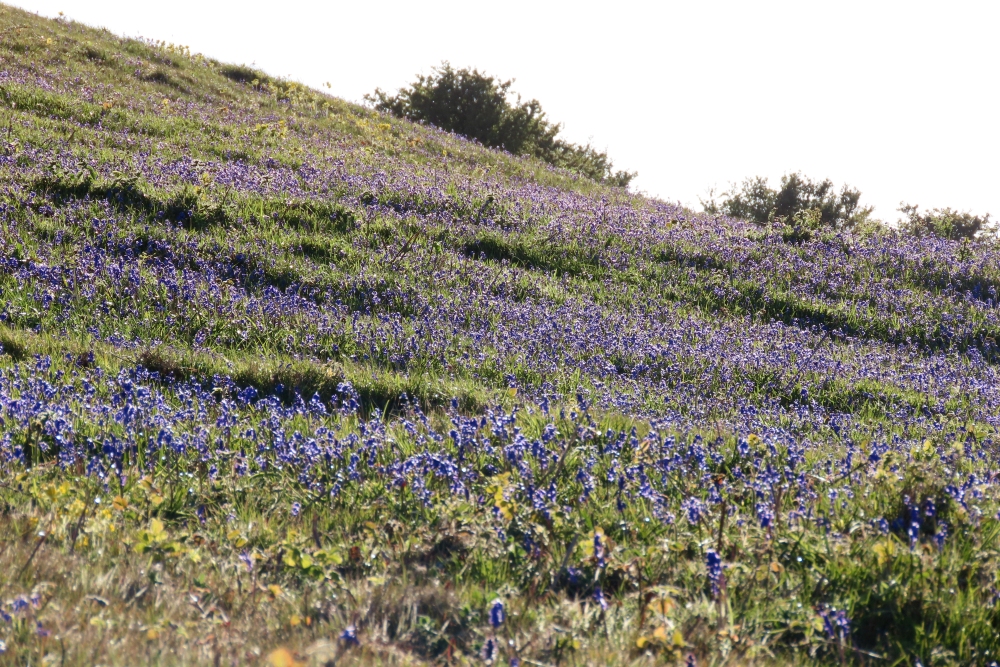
pixel 285 379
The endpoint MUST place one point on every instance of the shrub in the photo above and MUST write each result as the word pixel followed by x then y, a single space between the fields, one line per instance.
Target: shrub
pixel 756 201
pixel 242 74
pixel 944 222
pixel 470 103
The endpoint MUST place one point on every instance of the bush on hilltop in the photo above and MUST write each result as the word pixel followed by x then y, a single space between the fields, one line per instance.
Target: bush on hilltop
pixel 468 102
pixel 944 222
pixel 757 202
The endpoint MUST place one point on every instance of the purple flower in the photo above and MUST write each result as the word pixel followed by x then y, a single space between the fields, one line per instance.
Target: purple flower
pixel 247 561
pixel 600 599
pixel 490 651
pixel 836 623
pixel 694 509
pixel 599 549
pixel 913 532
pixel 765 515
pixel 714 564
pixel 930 510
pixel 497 613
pixel 941 535
pixel 350 635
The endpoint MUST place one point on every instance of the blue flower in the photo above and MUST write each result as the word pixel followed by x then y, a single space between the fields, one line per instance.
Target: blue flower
pixel 490 651
pixel 714 564
pixel 247 561
pixel 350 635
pixel 600 599
pixel 497 613
pixel 836 623
pixel 941 535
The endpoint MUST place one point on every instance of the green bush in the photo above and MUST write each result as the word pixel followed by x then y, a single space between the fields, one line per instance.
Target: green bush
pixel 478 106
pixel 944 222
pixel 756 201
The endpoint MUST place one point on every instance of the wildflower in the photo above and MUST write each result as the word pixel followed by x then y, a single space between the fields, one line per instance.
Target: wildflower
pixel 40 630
pixel 690 661
pixel 599 548
pixel 490 651
pixel 743 447
pixel 600 599
pixel 693 508
pixel 247 561
pixel 941 535
pixel 296 509
pixel 765 514
pixel 350 635
pixel 714 564
pixel 913 532
pixel 497 613
pixel 836 623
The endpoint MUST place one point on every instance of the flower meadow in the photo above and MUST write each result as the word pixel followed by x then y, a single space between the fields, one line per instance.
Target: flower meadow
pixel 284 381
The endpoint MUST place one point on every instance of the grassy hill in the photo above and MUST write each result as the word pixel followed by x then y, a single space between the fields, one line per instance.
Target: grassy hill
pixel 284 380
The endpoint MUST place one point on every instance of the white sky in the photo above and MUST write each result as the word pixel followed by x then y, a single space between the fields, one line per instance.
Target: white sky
pixel 898 99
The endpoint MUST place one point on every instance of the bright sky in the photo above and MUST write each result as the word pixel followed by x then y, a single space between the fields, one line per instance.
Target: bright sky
pixel 898 99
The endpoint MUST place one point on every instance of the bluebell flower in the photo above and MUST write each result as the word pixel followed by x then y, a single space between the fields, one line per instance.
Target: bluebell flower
pixel 941 535
pixel 497 613
pixel 350 635
pixel 599 549
pixel 714 564
pixel 490 651
pixel 247 561
pixel 600 599
pixel 836 624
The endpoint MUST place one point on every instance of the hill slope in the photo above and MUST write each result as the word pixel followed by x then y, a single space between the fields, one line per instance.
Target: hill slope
pixel 276 368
